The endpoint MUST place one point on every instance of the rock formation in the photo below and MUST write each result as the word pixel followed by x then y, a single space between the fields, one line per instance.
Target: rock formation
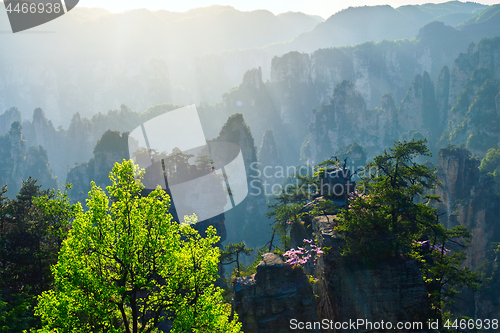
pixel 17 162
pixel 270 161
pixel 344 120
pixel 246 222
pixel 277 293
pixel 469 199
pixel 392 291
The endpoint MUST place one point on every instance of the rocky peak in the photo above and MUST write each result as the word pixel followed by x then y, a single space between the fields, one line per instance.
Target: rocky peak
pixel 417 111
pixel 292 67
pixel 249 215
pixel 269 159
pixel 236 131
pixel 111 148
pixel 253 78
pixel 17 163
pixel 443 94
pixel 268 300
pixel 7 118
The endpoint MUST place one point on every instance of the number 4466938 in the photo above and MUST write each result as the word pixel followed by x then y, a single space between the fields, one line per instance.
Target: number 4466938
pixel 33 8
pixel 485 324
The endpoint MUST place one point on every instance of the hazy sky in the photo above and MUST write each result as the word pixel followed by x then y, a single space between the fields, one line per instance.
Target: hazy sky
pixel 324 8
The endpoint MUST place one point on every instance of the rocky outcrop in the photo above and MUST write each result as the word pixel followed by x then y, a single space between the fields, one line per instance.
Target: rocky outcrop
pixel 418 111
pixel 338 289
pixel 110 149
pixel 267 302
pixel 250 214
pixel 443 95
pixel 17 162
pixel 345 119
pixel 469 199
pixel 392 290
pixel 269 161
pixel 7 118
pixel 252 99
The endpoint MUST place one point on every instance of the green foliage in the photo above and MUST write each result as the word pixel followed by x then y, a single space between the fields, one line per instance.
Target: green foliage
pixel 490 165
pixel 491 162
pixel 354 153
pixel 16 312
pixel 394 217
pixel 32 228
pixel 288 209
pixel 126 266
pixel 442 268
pixel 112 141
pixel 385 220
pixel 231 254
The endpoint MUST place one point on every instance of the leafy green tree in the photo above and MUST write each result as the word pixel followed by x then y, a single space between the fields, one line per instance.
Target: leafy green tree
pixel 32 227
pixel 126 267
pixel 395 217
pixel 16 312
pixel 491 162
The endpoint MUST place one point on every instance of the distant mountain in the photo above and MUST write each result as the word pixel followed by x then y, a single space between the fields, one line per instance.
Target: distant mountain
pixel 93 61
pixel 355 25
pixel 487 22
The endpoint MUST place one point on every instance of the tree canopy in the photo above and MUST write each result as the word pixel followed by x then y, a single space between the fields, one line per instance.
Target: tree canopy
pixel 126 266
pixel 394 216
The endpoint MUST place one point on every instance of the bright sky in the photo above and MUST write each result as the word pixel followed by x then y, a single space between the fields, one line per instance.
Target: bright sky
pixel 324 8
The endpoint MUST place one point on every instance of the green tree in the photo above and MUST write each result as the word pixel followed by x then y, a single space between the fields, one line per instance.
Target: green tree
pixel 491 162
pixel 126 266
pixel 32 227
pixel 315 185
pixel 231 254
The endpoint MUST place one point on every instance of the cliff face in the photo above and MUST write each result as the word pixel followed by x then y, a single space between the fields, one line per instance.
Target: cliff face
pixel 269 160
pixel 6 119
pixel 249 215
pixel 469 199
pixel 418 110
pixel 17 162
pixel 277 293
pixel 375 69
pixel 474 84
pixel 345 119
pixel 392 291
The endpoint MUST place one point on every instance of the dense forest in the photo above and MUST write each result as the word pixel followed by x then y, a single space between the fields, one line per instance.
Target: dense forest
pixel 369 146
